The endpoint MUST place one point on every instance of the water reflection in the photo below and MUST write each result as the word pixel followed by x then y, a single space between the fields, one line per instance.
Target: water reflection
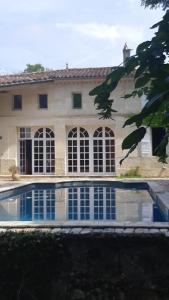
pixel 37 205
pixel 80 203
pixel 91 203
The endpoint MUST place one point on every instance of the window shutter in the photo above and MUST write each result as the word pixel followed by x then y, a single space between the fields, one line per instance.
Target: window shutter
pixel 146 143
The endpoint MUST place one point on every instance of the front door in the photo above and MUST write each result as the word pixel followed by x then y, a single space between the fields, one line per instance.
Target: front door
pixel 26 156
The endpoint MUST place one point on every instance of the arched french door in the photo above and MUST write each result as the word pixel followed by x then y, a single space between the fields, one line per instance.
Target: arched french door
pixel 44 151
pixel 91 154
pixel 78 150
pixel 103 150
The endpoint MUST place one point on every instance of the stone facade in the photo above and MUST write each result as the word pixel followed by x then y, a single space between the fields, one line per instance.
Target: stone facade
pixel 60 117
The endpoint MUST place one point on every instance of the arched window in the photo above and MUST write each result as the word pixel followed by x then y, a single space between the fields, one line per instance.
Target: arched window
pixel 103 150
pixel 44 151
pixel 44 133
pixel 78 150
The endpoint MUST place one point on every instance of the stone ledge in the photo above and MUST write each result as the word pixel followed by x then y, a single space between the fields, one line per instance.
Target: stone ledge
pixel 80 231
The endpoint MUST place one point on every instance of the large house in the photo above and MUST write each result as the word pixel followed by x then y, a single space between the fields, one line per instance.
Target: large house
pixel 49 126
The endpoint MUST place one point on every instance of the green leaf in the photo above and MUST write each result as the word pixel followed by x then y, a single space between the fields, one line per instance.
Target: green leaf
pixel 117 74
pixel 143 46
pixel 160 151
pixel 128 153
pixel 142 81
pixel 133 94
pixel 134 119
pixel 154 102
pixel 134 138
pixel 140 71
pixel 166 68
pixel 98 89
pixel 155 25
pixel 131 64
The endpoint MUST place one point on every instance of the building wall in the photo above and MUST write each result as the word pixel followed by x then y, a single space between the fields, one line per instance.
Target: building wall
pixel 60 99
pixel 60 117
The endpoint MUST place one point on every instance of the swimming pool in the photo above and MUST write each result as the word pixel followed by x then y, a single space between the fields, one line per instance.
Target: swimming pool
pixel 82 201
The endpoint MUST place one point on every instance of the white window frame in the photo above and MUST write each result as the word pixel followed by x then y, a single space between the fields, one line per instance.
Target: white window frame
pixel 91 139
pixel 44 140
pixel 78 139
pixel 29 134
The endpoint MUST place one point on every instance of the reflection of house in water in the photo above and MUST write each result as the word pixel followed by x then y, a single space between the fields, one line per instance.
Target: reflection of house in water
pixel 61 196
pixel 133 206
pixel 91 203
pixel 79 203
pixel 9 209
pixel 38 205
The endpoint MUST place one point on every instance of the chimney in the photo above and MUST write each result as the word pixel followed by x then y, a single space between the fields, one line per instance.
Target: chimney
pixel 126 53
pixel 67 66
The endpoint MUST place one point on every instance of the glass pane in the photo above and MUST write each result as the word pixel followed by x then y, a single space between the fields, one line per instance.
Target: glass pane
pixel 17 102
pixel 98 132
pixel 77 101
pixel 43 101
pixel 108 132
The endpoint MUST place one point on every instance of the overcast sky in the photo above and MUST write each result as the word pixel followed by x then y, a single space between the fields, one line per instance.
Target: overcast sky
pixel 88 33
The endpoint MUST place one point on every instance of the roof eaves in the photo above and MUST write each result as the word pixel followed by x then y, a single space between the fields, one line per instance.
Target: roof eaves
pixel 25 82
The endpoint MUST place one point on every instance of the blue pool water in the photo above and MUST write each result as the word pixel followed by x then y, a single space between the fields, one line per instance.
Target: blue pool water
pixel 80 201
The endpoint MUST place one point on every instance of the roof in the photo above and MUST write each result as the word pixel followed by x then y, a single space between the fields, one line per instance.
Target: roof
pixel 50 76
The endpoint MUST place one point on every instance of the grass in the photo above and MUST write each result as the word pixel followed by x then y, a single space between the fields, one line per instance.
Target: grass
pixel 133 173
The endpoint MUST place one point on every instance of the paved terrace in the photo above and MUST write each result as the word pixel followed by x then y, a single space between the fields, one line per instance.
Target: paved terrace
pixel 159 188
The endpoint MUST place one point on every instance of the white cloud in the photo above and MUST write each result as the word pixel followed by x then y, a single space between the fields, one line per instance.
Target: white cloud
pixel 105 31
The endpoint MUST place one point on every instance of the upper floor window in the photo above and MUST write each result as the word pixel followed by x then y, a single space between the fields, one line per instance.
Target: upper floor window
pixel 77 100
pixel 17 102
pixel 158 134
pixel 25 132
pixel 43 101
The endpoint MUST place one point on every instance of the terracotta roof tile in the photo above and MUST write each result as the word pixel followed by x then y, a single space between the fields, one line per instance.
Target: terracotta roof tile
pixel 37 77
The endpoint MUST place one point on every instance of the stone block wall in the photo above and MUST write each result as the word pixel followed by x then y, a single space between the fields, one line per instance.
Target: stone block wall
pixel 146 166
pixel 5 164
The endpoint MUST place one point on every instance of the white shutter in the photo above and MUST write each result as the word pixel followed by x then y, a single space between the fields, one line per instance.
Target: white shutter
pixel 146 143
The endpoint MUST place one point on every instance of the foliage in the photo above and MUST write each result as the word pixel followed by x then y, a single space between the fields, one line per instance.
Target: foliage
pixel 150 70
pixel 45 266
pixel 14 169
pixel 156 3
pixel 34 68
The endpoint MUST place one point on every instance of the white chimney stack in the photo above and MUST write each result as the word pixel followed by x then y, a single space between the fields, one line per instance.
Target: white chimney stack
pixel 126 53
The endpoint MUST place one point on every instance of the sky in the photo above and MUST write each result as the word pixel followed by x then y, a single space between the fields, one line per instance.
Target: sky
pixel 88 33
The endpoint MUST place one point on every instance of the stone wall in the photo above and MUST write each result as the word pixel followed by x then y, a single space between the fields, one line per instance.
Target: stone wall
pixel 146 166
pixel 5 164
